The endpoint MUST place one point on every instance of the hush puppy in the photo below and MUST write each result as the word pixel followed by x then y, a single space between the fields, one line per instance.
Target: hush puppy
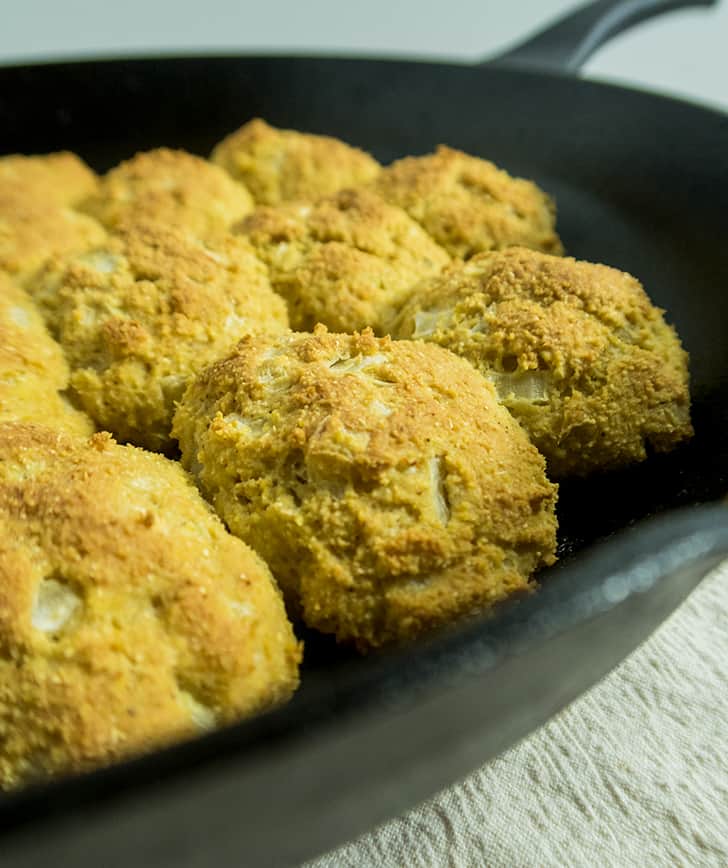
pixel 139 315
pixel 347 261
pixel 281 165
pixel 576 351
pixel 34 229
pixel 382 481
pixel 61 179
pixel 33 370
pixel 171 187
pixel 468 205
pixel 129 616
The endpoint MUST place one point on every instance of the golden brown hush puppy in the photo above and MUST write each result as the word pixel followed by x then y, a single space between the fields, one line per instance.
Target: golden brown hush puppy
pixel 33 230
pixel 171 187
pixel 576 351
pixel 282 165
pixel 385 485
pixel 129 616
pixel 347 261
pixel 468 205
pixel 137 316
pixel 61 179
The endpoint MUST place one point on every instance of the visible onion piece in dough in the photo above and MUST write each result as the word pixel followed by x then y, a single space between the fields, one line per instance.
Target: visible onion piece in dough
pixel 524 386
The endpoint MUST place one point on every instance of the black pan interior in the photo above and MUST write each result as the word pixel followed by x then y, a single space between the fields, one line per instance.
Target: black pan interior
pixel 641 183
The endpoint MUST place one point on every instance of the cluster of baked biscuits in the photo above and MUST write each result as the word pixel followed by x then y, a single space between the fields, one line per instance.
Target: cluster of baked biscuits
pixel 371 376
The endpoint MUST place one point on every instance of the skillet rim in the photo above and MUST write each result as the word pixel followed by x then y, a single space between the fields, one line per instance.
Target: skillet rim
pixel 494 64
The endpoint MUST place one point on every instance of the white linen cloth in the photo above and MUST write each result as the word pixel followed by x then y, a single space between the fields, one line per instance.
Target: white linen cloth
pixel 633 773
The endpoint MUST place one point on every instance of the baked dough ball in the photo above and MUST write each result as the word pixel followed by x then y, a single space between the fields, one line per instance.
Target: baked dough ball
pixel 139 315
pixel 174 188
pixel 468 205
pixel 61 179
pixel 26 334
pixel 382 481
pixel 129 616
pixel 347 261
pixel 576 351
pixel 33 371
pixel 281 165
pixel 32 230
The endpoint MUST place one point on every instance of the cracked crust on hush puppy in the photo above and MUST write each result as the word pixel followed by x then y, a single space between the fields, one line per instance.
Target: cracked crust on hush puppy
pixel 129 616
pixel 382 481
pixel 576 350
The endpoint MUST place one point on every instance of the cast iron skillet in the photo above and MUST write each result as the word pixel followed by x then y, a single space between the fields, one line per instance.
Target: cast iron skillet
pixel 642 184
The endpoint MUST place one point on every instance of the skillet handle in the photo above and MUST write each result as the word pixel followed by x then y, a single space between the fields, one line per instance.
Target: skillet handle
pixel 566 45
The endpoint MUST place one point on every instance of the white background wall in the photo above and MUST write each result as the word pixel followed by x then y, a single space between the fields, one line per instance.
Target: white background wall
pixel 684 53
